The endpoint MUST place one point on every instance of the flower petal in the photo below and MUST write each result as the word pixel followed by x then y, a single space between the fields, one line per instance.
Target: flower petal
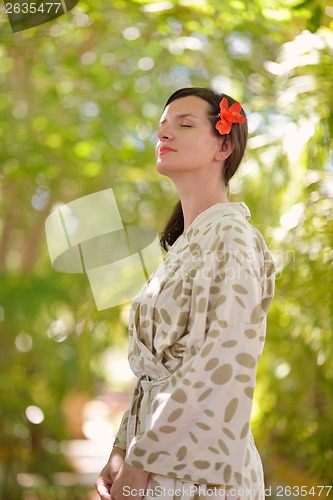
pixel 229 116
pixel 223 127
pixel 224 104
pixel 235 108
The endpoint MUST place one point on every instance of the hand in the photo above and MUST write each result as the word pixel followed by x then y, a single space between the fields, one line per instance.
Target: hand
pixel 108 474
pixel 129 483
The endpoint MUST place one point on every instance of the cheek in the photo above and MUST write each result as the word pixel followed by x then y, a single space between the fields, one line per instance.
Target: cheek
pixel 209 144
pixel 201 146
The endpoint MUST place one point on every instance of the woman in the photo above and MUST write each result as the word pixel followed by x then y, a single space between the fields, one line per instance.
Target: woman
pixel 197 327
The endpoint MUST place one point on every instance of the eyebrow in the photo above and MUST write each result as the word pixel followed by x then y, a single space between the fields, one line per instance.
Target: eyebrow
pixel 182 115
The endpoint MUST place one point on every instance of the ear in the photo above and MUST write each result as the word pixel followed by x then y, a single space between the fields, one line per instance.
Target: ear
pixel 225 148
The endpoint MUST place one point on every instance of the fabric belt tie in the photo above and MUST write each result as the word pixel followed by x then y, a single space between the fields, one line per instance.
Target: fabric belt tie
pixel 145 388
pixel 147 385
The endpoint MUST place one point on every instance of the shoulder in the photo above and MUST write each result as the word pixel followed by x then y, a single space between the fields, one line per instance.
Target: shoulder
pixel 231 229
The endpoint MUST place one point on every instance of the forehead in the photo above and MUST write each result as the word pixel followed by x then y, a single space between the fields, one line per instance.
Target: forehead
pixel 189 105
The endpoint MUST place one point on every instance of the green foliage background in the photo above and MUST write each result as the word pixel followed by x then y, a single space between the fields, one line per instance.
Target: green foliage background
pixel 80 100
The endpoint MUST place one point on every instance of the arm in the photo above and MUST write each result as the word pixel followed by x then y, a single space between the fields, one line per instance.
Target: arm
pixel 120 440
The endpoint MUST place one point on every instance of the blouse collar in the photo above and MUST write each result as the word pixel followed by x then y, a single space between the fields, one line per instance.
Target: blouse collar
pixel 220 209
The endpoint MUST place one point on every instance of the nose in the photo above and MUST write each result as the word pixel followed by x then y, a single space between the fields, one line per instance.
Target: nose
pixel 164 132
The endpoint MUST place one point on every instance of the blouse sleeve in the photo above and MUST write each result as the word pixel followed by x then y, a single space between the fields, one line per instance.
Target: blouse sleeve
pixel 120 440
pixel 197 425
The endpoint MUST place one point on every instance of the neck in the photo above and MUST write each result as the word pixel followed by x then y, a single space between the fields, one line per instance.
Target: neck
pixel 194 202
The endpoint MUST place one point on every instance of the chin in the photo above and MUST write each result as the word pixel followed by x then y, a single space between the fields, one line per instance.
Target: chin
pixel 163 168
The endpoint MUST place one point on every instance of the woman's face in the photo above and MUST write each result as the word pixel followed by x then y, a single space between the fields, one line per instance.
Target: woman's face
pixel 186 141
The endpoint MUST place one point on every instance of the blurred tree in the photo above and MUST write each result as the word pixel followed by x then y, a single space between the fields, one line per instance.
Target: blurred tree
pixel 83 97
pixel 297 369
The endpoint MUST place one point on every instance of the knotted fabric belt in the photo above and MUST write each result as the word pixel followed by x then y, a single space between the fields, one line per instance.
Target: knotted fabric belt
pixel 143 401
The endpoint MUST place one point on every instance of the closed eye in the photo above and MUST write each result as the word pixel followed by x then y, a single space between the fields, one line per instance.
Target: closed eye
pixel 187 126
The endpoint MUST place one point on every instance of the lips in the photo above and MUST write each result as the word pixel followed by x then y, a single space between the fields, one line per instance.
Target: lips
pixel 163 150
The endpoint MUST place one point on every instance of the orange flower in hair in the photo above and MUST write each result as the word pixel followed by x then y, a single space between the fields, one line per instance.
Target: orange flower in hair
pixel 228 116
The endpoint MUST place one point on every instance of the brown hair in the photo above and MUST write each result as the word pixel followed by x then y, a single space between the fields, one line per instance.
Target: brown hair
pixel 238 136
